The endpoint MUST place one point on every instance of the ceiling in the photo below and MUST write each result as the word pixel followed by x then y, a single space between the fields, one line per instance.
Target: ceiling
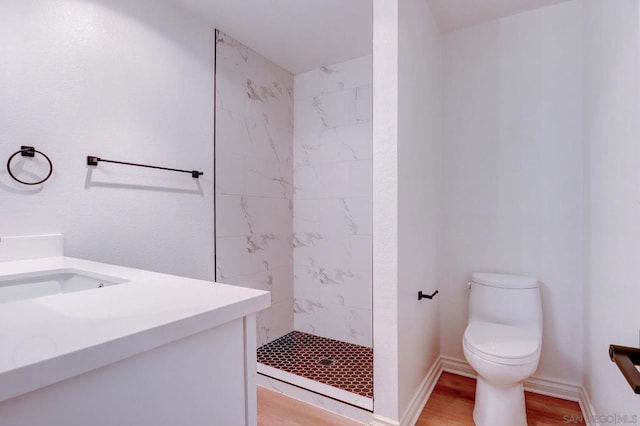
pixel 298 35
pixel 455 14
pixel 301 35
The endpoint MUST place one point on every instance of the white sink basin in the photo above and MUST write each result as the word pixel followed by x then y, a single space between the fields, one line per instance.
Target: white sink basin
pixel 26 286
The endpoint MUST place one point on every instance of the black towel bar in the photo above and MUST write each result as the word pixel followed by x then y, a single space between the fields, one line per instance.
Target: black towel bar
pixel 93 161
pixel 626 359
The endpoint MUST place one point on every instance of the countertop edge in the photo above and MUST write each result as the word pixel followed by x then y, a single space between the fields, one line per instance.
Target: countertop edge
pixel 82 359
pixel 38 375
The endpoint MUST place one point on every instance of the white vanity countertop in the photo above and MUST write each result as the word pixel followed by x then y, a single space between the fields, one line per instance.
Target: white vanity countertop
pixel 52 338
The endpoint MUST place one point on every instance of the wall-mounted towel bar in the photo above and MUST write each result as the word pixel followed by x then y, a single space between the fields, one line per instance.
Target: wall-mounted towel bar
pixel 93 161
pixel 421 295
pixel 626 359
pixel 29 152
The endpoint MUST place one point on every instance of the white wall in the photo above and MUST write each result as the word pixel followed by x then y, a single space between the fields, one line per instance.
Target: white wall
pixel 514 196
pixel 122 80
pixel 254 180
pixel 419 194
pixel 332 201
pixel 385 211
pixel 613 108
pixel 407 158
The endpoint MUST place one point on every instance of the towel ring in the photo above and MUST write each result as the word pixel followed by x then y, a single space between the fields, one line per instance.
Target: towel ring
pixel 29 151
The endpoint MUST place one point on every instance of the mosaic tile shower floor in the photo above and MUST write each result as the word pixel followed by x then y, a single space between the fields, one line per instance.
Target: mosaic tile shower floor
pixel 343 365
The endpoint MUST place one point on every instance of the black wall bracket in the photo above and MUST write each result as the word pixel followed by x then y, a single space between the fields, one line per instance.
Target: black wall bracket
pixel 626 359
pixel 421 295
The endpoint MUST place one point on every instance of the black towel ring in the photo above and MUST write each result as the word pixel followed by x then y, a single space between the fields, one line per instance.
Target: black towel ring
pixel 29 151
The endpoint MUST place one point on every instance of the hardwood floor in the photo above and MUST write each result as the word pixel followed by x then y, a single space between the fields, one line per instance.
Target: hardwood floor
pixel 275 409
pixel 450 404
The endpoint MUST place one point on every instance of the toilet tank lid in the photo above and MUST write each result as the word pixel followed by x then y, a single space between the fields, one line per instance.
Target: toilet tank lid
pixel 505 280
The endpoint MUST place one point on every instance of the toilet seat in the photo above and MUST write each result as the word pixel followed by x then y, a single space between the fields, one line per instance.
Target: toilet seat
pixel 502 344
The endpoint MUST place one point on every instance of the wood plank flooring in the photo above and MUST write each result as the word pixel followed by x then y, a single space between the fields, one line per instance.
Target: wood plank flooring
pixel 450 404
pixel 275 409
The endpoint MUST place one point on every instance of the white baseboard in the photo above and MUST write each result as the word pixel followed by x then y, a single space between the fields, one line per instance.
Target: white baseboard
pixel 540 385
pixel 421 397
pixel 418 401
pixel 588 411
pixel 457 366
pixel 382 421
pixel 554 388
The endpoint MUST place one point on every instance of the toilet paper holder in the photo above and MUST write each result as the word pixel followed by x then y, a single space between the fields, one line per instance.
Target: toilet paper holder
pixel 421 295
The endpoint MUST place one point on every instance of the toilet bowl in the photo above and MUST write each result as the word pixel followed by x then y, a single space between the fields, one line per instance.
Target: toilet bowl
pixel 502 343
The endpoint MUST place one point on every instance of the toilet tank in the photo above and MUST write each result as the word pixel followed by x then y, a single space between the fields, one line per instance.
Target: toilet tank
pixel 505 299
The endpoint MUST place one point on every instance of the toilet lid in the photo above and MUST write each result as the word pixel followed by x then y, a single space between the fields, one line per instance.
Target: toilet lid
pixel 502 341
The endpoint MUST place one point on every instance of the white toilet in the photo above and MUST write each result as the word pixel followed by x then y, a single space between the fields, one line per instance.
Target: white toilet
pixel 502 343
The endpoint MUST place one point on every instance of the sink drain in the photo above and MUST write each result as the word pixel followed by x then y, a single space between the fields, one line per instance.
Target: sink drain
pixel 326 362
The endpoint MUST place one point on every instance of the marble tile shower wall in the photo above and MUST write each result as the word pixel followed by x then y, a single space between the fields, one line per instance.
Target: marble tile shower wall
pixel 332 219
pixel 254 174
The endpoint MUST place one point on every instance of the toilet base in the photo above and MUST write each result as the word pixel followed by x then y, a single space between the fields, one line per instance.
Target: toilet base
pixel 499 405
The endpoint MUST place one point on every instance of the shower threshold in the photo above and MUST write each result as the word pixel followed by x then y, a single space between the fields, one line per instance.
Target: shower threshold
pixel 338 370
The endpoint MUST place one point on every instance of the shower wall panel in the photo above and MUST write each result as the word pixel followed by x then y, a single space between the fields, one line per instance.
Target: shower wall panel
pixel 254 173
pixel 332 199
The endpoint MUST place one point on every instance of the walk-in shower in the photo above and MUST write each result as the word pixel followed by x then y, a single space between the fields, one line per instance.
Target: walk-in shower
pixel 293 214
